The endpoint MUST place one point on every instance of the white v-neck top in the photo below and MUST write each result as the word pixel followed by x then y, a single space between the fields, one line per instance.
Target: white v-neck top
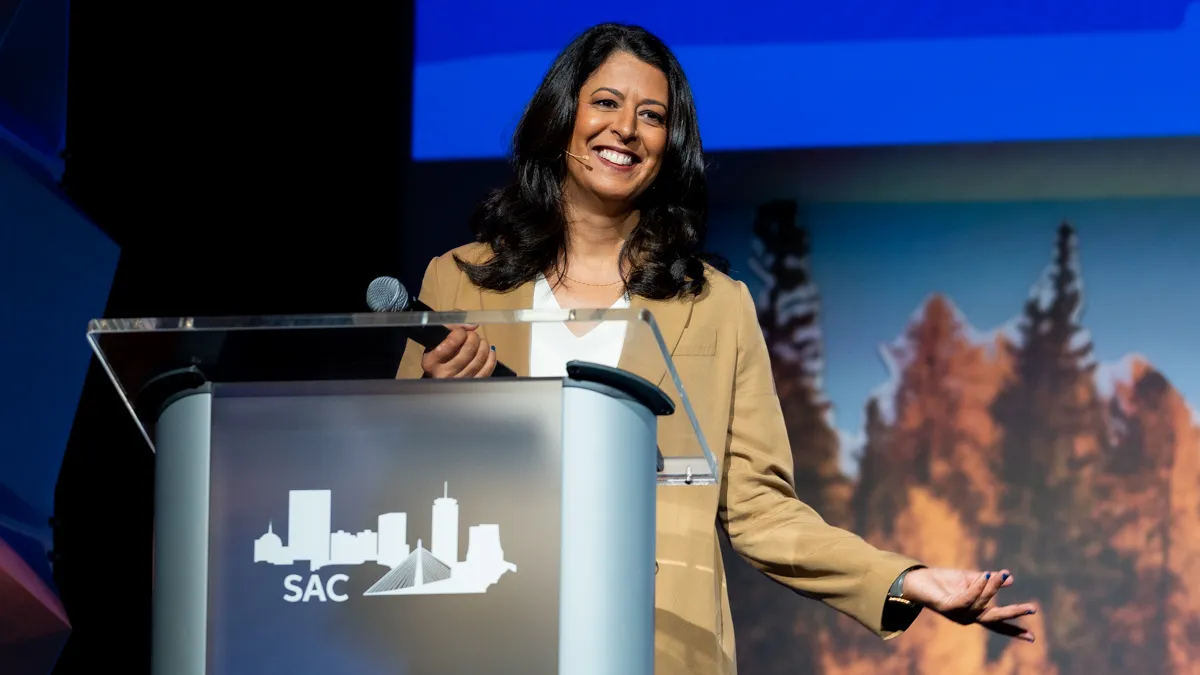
pixel 552 344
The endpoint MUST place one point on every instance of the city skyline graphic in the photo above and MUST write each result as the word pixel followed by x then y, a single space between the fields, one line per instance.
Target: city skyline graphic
pixel 418 570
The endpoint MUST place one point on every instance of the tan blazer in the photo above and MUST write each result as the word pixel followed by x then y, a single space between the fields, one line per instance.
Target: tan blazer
pixel 721 355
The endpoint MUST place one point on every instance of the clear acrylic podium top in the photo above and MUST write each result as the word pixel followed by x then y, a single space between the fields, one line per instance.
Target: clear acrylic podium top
pixel 149 358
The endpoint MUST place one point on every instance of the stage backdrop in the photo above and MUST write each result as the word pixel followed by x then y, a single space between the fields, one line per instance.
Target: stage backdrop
pixel 984 356
pixel 988 385
pixel 977 280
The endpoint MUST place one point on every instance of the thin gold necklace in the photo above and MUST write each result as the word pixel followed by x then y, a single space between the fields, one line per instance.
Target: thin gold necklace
pixel 584 283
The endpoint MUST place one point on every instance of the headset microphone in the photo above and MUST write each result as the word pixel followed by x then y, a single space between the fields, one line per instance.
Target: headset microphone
pixel 583 159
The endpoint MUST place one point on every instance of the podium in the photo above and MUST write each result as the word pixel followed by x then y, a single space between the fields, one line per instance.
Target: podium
pixel 315 513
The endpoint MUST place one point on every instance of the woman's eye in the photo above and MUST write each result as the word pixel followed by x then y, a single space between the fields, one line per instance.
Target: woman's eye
pixel 607 103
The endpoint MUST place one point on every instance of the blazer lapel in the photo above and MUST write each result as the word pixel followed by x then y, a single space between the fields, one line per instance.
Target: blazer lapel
pixel 510 339
pixel 642 355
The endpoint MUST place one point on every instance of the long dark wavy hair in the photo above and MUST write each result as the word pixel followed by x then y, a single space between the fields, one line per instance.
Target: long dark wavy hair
pixel 524 222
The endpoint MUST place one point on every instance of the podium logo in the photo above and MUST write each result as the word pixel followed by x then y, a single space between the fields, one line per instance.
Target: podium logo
pixel 436 570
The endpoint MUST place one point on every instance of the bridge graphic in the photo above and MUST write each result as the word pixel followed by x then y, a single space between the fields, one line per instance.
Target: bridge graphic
pixel 436 570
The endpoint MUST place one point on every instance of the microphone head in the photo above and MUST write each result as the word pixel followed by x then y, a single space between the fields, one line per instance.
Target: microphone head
pixel 387 294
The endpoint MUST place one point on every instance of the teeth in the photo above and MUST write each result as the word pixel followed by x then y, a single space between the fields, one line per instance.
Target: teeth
pixel 616 157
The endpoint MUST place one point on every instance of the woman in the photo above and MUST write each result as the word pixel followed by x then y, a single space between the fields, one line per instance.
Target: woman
pixel 608 209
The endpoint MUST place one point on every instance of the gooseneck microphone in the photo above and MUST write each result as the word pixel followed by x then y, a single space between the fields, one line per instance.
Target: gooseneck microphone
pixel 387 294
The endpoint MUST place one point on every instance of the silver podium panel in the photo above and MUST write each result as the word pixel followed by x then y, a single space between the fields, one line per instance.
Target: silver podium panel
pixel 366 527
pixel 405 527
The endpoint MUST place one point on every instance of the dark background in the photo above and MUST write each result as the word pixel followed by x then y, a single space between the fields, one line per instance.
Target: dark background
pixel 247 160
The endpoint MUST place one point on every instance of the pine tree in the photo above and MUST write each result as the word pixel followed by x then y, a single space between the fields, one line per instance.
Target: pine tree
pixel 941 437
pixel 789 312
pixel 927 398
pixel 1050 417
pixel 1149 485
pixel 882 490
pixel 946 385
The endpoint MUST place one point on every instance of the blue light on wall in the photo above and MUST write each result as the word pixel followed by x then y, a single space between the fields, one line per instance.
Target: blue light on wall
pixel 33 79
pixel 856 72
pixel 56 269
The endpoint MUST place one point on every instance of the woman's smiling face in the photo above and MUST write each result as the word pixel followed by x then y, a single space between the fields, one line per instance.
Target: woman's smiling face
pixel 621 127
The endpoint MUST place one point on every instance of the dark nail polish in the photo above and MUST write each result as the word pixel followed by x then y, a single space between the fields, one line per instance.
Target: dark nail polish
pixel 987 576
pixel 493 347
pixel 1005 578
pixel 1032 611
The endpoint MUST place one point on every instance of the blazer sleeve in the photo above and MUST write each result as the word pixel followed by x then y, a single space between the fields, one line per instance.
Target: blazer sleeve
pixel 767 523
pixel 410 362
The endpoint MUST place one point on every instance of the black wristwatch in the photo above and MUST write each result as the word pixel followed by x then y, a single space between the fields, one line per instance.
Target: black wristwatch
pixel 896 592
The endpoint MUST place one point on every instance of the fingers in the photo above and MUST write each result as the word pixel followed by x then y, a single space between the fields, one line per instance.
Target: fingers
pixel 445 350
pixel 999 619
pixel 1011 630
pixel 975 589
pixel 466 353
pixel 1006 613
pixel 973 604
pixel 451 354
pixel 490 364
pixel 992 583
pixel 482 352
pixel 462 354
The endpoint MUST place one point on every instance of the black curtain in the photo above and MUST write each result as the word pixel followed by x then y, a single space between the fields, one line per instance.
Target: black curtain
pixel 248 160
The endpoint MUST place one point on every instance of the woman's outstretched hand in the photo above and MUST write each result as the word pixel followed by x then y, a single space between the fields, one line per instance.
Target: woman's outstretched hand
pixel 966 597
